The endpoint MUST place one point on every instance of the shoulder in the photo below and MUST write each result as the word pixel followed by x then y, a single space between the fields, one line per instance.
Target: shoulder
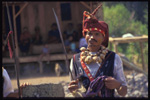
pixel 117 57
pixel 5 74
pixel 76 56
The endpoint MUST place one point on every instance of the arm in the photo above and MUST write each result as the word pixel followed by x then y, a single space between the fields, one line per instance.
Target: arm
pixel 119 81
pixel 73 85
pixel 13 95
pixel 7 86
pixel 119 76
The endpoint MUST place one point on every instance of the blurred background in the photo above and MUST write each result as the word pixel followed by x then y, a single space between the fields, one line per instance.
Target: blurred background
pixel 40 52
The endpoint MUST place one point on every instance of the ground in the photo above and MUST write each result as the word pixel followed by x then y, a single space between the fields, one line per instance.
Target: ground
pixel 41 80
pixel 31 75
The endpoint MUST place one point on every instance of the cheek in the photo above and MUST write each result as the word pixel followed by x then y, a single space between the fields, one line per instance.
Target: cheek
pixel 87 38
pixel 100 40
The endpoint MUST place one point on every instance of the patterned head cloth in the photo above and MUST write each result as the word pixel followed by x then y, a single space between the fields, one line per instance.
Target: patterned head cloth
pixel 91 23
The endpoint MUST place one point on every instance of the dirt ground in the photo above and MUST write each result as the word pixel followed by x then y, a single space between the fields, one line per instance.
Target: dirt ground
pixel 41 80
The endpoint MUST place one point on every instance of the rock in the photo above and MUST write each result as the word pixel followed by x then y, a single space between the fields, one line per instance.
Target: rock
pixel 136 93
pixel 137 84
pixel 129 76
pixel 44 90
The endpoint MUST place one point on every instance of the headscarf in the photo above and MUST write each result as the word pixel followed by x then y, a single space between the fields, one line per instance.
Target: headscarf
pixel 91 23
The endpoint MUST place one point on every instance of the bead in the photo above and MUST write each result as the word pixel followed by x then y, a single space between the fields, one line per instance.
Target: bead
pixel 83 53
pixel 83 49
pixel 102 56
pixel 89 58
pixel 100 60
pixel 83 57
pixel 98 57
pixel 95 57
pixel 104 52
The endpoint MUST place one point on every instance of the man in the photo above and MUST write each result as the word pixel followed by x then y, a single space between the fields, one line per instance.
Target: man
pixel 53 34
pixel 97 69
pixel 8 90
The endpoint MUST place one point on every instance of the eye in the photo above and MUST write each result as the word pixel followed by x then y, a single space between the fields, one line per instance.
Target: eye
pixel 96 34
pixel 85 33
pixel 89 33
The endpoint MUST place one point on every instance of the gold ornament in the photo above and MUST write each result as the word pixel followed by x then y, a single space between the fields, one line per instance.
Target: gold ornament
pixel 102 56
pixel 98 57
pixel 83 58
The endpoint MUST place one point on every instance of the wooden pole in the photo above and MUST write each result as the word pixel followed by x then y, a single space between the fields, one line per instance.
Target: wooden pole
pixel 16 40
pixel 83 3
pixel 15 32
pixel 131 65
pixel 91 7
pixel 141 48
pixel 41 67
pixel 16 64
pixel 115 47
pixel 21 9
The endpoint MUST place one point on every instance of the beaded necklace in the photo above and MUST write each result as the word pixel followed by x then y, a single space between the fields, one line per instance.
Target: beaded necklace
pixel 87 57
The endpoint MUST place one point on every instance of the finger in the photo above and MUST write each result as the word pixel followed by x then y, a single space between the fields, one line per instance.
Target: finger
pixel 27 83
pixel 110 78
pixel 73 86
pixel 107 83
pixel 73 82
pixel 108 86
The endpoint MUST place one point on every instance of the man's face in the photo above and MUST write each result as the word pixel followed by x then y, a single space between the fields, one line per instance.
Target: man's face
pixel 94 38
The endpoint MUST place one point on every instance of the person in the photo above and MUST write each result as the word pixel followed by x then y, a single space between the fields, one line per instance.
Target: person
pixel 25 41
pixel 70 31
pixel 8 90
pixel 96 70
pixel 82 42
pixel 45 52
pixel 79 31
pixel 37 38
pixel 53 34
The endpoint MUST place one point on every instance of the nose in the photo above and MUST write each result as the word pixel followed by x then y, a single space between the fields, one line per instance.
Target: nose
pixel 91 37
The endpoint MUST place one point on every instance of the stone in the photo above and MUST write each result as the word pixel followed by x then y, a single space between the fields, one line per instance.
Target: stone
pixel 44 90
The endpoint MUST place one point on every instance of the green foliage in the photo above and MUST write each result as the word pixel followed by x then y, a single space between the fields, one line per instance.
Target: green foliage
pixel 117 18
pixel 137 28
pixel 120 22
pixel 146 16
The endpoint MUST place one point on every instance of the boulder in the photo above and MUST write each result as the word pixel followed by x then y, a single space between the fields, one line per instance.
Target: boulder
pixel 44 90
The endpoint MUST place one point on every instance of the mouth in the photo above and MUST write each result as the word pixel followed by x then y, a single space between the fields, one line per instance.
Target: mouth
pixel 92 41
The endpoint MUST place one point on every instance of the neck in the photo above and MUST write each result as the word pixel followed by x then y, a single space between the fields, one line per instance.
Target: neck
pixel 93 48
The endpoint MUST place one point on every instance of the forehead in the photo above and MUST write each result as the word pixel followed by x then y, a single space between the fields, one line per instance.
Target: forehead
pixel 94 32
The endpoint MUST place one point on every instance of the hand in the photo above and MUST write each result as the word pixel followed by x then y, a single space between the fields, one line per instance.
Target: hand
pixel 23 85
pixel 73 85
pixel 111 83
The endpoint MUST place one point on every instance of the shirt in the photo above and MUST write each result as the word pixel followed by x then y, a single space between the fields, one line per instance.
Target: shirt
pixel 93 67
pixel 7 86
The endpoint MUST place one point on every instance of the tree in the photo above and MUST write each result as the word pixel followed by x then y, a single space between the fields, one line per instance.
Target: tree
pixel 117 18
